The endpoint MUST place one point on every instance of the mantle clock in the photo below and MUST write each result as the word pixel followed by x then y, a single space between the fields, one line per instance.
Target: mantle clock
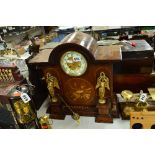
pixel 79 78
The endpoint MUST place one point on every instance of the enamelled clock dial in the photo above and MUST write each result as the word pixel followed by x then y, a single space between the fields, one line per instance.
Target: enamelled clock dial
pixel 73 63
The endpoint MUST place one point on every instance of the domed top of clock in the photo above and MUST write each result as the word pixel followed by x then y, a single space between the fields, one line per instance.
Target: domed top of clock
pixel 82 39
pixel 78 42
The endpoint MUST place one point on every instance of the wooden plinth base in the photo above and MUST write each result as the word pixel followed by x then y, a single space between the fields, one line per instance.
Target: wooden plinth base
pixel 103 119
pixel 103 113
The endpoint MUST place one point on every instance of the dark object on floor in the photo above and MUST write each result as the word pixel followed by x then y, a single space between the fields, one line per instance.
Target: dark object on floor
pixel 23 107
pixel 137 126
pixel 40 90
pixel 6 119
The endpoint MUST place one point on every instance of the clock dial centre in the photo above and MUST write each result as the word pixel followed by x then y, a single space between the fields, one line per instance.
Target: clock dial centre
pixel 73 63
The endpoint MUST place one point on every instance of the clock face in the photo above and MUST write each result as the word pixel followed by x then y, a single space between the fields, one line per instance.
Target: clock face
pixel 73 63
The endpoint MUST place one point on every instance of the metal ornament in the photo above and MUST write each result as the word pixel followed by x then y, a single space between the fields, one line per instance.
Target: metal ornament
pixel 6 75
pixel 127 94
pixel 152 93
pixel 76 117
pixel 24 112
pixel 52 83
pixel 44 122
pixel 102 84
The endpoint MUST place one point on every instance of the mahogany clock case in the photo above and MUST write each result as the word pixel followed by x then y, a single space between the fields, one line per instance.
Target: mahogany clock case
pixel 79 92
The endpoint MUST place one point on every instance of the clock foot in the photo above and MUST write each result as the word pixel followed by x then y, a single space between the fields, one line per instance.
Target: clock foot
pixel 104 114
pixel 103 119
pixel 55 111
